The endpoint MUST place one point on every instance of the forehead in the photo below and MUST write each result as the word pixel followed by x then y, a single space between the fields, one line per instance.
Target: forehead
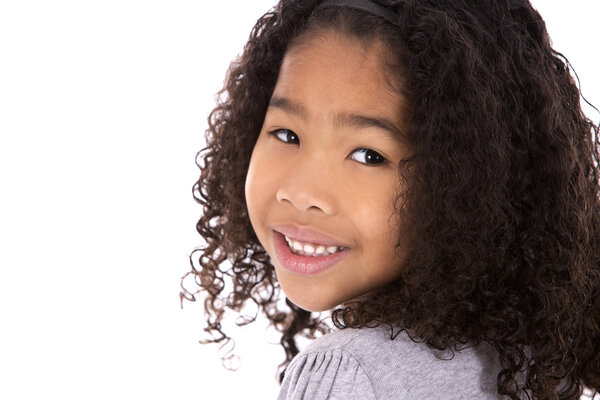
pixel 332 72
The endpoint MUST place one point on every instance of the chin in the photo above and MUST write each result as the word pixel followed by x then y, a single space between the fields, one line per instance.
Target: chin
pixel 312 306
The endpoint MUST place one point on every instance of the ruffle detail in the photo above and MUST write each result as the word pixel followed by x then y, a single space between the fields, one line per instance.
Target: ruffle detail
pixel 326 375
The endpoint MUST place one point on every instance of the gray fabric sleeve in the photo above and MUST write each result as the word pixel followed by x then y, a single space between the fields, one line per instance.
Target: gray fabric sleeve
pixel 326 375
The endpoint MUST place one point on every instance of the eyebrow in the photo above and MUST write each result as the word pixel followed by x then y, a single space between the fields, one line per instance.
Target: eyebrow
pixel 342 118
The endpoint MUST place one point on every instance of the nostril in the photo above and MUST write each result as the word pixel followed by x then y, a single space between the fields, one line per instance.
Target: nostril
pixel 305 201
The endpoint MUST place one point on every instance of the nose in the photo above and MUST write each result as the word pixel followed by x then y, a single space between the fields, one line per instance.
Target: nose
pixel 308 192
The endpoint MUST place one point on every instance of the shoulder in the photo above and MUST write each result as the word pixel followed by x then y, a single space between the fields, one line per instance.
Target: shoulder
pixel 368 364
pixel 326 370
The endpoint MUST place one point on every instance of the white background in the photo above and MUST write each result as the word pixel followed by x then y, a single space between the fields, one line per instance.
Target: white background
pixel 103 105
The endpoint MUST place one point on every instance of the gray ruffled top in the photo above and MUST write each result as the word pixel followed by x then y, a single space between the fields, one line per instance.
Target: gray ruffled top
pixel 366 364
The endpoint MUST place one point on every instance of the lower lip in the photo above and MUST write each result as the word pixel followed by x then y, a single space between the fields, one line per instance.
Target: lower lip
pixel 303 264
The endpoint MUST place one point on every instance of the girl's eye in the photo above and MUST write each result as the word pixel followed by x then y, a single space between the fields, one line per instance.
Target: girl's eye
pixel 285 135
pixel 362 155
pixel 369 156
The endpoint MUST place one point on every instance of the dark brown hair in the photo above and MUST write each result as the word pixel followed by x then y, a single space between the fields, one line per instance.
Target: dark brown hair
pixel 501 191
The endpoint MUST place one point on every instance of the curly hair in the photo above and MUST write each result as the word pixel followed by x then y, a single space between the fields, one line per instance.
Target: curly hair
pixel 501 192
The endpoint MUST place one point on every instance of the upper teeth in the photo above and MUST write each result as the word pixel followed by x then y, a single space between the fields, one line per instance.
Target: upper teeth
pixel 312 248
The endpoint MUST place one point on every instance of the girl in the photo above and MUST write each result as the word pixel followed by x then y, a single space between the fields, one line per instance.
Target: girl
pixel 423 169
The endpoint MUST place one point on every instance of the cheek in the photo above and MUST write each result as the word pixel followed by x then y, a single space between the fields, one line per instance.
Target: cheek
pixel 381 262
pixel 374 209
pixel 259 186
pixel 253 189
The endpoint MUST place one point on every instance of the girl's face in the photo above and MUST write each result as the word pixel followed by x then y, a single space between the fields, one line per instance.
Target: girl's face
pixel 326 160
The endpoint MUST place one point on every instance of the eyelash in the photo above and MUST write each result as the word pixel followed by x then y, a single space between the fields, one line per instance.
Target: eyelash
pixel 276 132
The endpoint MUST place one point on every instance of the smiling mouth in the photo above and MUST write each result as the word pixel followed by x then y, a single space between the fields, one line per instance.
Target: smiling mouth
pixel 305 264
pixel 311 249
